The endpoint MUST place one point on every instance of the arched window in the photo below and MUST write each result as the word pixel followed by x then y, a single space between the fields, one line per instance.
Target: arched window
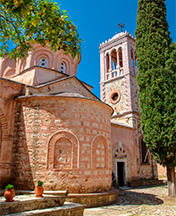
pixel 63 67
pixel 24 65
pixel 43 62
pixel 120 57
pixel 144 152
pixel 114 59
pixel 107 62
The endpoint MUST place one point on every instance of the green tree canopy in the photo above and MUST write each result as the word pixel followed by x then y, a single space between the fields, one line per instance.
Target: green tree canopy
pixel 23 22
pixel 156 79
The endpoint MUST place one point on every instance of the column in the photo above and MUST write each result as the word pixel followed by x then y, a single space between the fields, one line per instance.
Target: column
pixel 117 59
pixel 28 60
pixel 118 67
pixel 105 67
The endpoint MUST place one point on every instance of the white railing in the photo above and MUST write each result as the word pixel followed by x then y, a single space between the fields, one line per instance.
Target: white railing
pixel 114 73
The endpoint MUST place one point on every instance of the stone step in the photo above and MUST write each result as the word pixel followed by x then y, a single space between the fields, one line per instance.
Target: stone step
pixel 68 209
pixel 24 203
pixel 94 199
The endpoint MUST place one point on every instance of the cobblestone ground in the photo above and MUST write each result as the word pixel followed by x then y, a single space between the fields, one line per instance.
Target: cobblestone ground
pixel 139 201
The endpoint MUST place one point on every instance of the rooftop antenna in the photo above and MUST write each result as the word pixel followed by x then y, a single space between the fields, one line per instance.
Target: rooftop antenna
pixel 121 25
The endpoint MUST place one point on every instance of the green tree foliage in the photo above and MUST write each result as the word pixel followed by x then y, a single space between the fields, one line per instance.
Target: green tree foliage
pixel 156 79
pixel 25 21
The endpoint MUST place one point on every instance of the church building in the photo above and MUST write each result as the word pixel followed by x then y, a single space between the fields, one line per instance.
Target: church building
pixel 54 129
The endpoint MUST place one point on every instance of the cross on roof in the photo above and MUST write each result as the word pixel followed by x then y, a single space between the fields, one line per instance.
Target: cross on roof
pixel 121 25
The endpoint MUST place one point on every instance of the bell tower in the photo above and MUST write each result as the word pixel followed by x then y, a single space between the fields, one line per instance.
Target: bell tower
pixel 118 70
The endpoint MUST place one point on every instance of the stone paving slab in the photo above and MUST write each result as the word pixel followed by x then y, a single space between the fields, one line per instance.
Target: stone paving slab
pixel 142 201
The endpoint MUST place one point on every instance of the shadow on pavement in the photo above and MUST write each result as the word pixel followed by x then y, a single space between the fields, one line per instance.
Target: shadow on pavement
pixel 131 197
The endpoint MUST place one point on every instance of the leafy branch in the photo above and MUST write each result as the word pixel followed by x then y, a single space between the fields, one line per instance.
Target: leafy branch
pixel 25 21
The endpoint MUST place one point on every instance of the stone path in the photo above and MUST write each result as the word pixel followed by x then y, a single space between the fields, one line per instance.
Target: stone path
pixel 139 201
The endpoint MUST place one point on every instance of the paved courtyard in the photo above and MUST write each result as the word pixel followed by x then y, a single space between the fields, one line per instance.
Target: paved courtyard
pixel 139 201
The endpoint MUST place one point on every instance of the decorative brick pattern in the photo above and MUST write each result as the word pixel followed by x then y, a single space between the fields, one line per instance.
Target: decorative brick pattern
pixel 122 153
pixel 62 150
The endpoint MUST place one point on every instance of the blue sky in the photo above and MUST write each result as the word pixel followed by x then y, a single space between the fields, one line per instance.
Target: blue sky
pixel 98 21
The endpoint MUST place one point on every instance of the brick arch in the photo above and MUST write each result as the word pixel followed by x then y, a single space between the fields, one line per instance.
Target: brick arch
pixel 99 145
pixel 51 147
pixel 120 152
pixel 66 59
pixel 39 53
pixel 7 64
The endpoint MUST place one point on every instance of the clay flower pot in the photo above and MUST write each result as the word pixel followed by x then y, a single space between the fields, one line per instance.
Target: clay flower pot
pixel 9 195
pixel 39 191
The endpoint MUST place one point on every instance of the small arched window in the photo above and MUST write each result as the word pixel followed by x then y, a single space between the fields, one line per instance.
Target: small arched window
pixel 24 65
pixel 43 62
pixel 107 62
pixel 114 59
pixel 63 67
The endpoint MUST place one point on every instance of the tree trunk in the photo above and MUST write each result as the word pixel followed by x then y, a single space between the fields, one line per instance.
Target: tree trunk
pixel 171 182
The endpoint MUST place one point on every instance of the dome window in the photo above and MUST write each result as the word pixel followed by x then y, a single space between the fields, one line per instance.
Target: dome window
pixel 63 67
pixel 43 62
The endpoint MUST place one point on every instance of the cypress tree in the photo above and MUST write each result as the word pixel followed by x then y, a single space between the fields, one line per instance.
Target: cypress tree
pixel 156 79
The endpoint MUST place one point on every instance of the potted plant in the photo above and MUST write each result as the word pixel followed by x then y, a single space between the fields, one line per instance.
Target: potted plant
pixel 9 193
pixel 39 189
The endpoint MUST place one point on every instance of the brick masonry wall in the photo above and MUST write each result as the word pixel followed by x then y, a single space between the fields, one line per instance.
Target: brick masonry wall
pixel 7 92
pixel 64 142
pixel 120 85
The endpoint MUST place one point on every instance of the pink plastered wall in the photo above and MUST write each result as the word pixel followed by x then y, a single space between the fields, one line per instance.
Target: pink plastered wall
pixel 123 146
pixel 10 68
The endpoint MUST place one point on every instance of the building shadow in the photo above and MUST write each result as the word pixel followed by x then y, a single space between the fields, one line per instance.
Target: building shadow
pixel 131 197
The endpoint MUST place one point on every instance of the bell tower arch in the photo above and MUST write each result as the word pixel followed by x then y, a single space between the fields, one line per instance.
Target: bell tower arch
pixel 118 70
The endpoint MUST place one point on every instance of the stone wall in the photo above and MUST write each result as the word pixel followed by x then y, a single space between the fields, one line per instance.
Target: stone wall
pixel 134 96
pixel 120 85
pixel 64 142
